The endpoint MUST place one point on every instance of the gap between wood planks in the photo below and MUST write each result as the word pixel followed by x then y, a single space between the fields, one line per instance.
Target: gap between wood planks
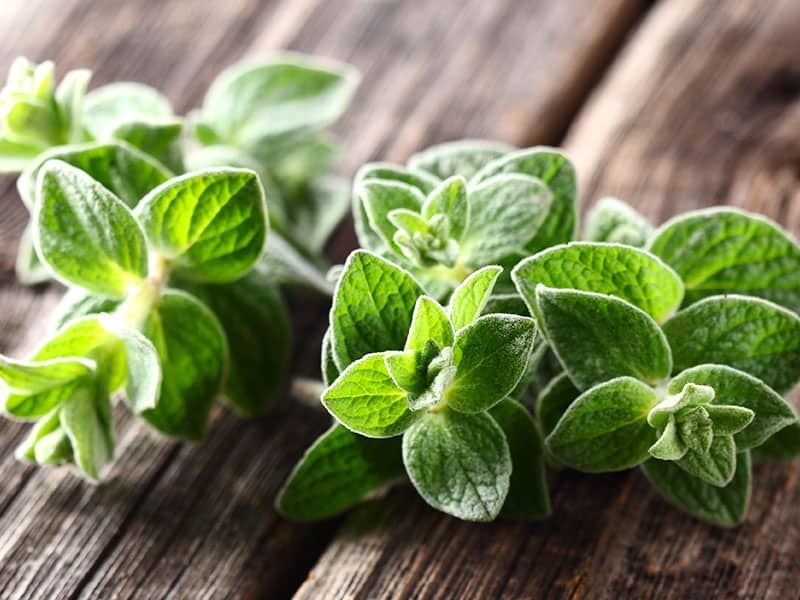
pixel 422 111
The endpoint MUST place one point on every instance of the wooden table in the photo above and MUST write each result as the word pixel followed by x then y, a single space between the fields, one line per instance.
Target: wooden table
pixel 670 105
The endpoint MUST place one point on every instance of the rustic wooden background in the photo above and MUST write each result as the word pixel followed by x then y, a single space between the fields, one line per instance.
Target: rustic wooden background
pixel 671 105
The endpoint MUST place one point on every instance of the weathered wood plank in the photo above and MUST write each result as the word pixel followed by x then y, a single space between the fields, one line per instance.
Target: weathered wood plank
pixel 197 521
pixel 701 108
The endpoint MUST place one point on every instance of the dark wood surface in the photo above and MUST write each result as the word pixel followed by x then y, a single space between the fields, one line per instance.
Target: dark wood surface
pixel 673 106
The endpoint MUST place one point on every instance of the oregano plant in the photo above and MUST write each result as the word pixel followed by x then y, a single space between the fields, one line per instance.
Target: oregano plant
pixel 269 116
pixel 129 322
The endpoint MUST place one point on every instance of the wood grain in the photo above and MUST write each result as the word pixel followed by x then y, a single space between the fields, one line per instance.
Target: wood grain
pixel 196 521
pixel 701 108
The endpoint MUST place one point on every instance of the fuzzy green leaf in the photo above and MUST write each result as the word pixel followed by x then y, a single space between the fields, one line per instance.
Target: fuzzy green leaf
pixel 194 352
pixel 749 334
pixel 372 307
pixel 605 428
pixel 86 419
pixel 327 363
pixel 470 298
pixel 85 234
pixel 554 400
pixel 388 172
pixel 26 377
pixel 733 387
pixel 490 356
pixel 716 466
pixel 784 445
pixel 110 106
pixel 212 224
pixel 464 158
pixel 727 251
pixel 336 473
pixel 450 199
pixel 528 497
pixel 381 197
pixel 77 303
pixel 365 399
pixel 460 464
pixel 669 445
pixel 613 221
pixel 429 322
pixel 159 139
pixel 724 506
pixel 506 211
pixel 622 271
pixel 599 337
pixel 557 172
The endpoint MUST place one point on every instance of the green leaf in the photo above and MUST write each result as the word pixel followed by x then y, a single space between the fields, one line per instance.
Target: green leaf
pixel 193 351
pixel 85 234
pixel 372 307
pixel 599 337
pixel 554 400
pixel 784 445
pixel 314 212
pixel 43 428
pixel 429 322
pixel 110 106
pixel 729 419
pixel 505 212
pixel 490 356
pixel 382 197
pixel 733 387
pixel 605 428
pixel 253 104
pixel 465 157
pixel 670 445
pixel 161 140
pixel 726 251
pixel 283 264
pixel 366 400
pixel 717 466
pixel 408 369
pixel 27 377
pixel 15 156
pixel 460 464
pixel 470 298
pixel 336 473
pixel 143 382
pixel 211 223
pixel 749 334
pixel 380 171
pixel 328 364
pixel 121 168
pixel 611 220
pixel 553 168
pixel 28 266
pixel 256 324
pixel 622 271
pixel 77 303
pixel 724 506
pixel 86 419
pixel 528 497
pixel 450 199
pixel 69 96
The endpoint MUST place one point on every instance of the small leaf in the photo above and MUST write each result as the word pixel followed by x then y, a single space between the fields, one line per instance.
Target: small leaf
pixel 382 197
pixel 408 370
pixel 627 273
pixel 599 337
pixel 470 298
pixel 728 251
pixel 26 377
pixel 605 428
pixel 749 334
pixel 85 234
pixel 372 308
pixel 336 473
pixel 256 324
pixel 86 419
pixel 490 356
pixel 429 322
pixel 69 96
pixel 557 172
pixel 366 400
pixel 193 352
pixel 554 400
pixel 388 172
pixel 733 387
pixel 697 430
pixel 450 199
pixel 283 264
pixel 460 464
pixel 77 303
pixel 464 158
pixel 528 497
pixel 724 506
pixel 505 213
pixel 48 424
pixel 611 220
pixel 143 383
pixel 212 223
pixel 717 466
pixel 669 445
pixel 159 139
pixel 110 106
pixel 729 420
